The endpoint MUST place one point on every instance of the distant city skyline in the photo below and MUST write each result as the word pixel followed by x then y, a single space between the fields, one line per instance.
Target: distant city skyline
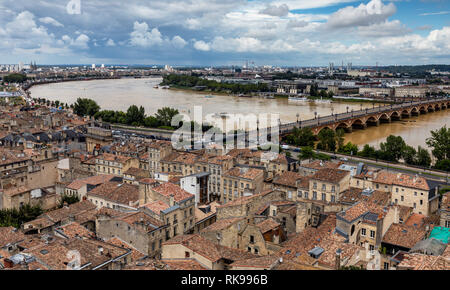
pixel 200 33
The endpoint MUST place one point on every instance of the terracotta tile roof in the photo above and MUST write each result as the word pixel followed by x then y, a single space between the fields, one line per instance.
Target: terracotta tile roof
pixel 208 249
pixel 187 264
pixel 93 180
pixel 169 189
pixel 264 262
pixel 108 212
pixel 113 157
pixel 322 164
pixel 362 208
pixel 415 220
pixel 353 195
pixel 244 199
pixel 424 262
pixel 16 190
pixel 74 209
pixel 330 174
pixel 303 183
pixel 122 193
pixel 287 178
pixel 139 218
pixel 402 179
pixel 148 181
pixel 221 224
pixel 135 254
pixel 137 172
pixel 56 255
pixel 296 248
pixel 244 172
pixel 201 215
pixel 186 158
pixel 10 235
pixel 403 235
pixel 8 156
pixel 74 229
pixel 156 206
pixel 267 225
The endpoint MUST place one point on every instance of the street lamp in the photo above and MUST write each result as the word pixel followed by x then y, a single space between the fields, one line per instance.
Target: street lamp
pixel 297 117
pixel 347 109
pixel 315 115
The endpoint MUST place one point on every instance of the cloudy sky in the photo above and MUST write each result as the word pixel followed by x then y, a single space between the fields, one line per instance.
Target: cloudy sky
pixel 225 32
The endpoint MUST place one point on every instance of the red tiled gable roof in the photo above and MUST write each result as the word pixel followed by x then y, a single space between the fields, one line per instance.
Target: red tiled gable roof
pixel 10 235
pixel 140 218
pixel 74 229
pixel 170 189
pixel 330 175
pixel 200 215
pixel 137 172
pixel 75 209
pixel 121 193
pixel 135 254
pixel 113 157
pixel 221 224
pixel 424 262
pixel 287 178
pixel 265 262
pixel 267 225
pixel 156 206
pixel 403 235
pixel 244 172
pixel 93 180
pixel 322 164
pixel 208 249
pixel 16 190
pixel 187 264
pixel 361 208
pixel 402 179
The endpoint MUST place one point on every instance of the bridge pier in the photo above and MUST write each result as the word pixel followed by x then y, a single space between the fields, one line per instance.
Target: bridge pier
pixel 406 115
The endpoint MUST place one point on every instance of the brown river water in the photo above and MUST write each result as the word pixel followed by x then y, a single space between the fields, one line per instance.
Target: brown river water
pixel 119 94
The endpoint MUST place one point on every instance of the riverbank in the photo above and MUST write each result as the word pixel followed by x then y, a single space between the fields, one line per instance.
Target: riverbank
pixel 46 82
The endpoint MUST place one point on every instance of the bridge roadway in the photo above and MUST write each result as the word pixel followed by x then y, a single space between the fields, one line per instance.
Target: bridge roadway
pixel 342 120
pixel 369 115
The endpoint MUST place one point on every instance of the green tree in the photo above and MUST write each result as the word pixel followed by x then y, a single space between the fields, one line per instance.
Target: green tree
pixel 440 143
pixel 68 199
pixel 409 155
pixel 443 165
pixel 423 157
pixel 85 107
pixel 135 116
pixel 151 122
pixel 392 149
pixel 165 115
pixel 327 140
pixel 368 151
pixel 349 148
pixel 301 137
pixel 306 152
pixel 15 78
pixel 340 138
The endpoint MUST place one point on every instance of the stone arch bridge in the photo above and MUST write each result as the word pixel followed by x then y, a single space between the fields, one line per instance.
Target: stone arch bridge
pixel 368 117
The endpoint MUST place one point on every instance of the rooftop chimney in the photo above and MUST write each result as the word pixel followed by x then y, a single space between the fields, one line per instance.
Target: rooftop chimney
pixel 338 259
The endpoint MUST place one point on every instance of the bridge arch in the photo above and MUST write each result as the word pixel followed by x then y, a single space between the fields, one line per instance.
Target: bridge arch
pixel 359 123
pixel 396 115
